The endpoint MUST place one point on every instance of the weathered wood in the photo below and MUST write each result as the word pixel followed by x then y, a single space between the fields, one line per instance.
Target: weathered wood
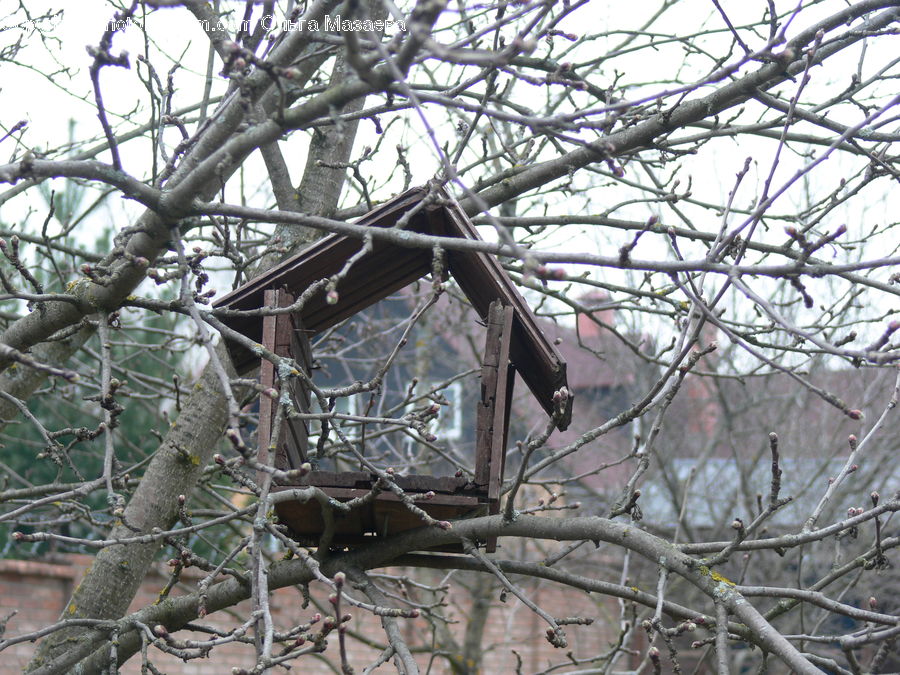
pixel 484 419
pixel 513 342
pixel 364 480
pixel 483 280
pixel 297 432
pixel 298 429
pixel 290 441
pixel 264 432
pixel 395 266
pixel 300 347
pixel 494 407
pixel 344 493
pixel 388 268
pixel 500 421
pixel 382 517
pixel 293 439
pixel 293 452
pixel 510 385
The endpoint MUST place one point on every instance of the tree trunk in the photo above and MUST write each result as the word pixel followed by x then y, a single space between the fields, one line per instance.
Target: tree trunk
pixel 110 584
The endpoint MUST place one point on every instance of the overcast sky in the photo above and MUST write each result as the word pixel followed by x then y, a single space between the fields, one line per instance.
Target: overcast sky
pixel 49 103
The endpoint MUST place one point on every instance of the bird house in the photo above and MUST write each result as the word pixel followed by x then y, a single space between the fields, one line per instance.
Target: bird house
pixel 333 291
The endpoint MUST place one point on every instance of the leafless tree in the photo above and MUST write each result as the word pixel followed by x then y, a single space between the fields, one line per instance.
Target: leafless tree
pixel 697 197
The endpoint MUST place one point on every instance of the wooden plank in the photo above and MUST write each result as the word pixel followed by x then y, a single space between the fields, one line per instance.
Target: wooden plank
pixel 346 479
pixel 277 337
pixel 384 271
pixel 500 422
pixel 300 347
pixel 371 279
pixel 501 412
pixel 248 296
pixel 296 346
pixel 345 494
pixel 293 435
pixel 510 386
pixel 301 351
pixel 264 433
pixel 426 483
pixel 305 518
pixel 484 418
pixel 325 258
pixel 364 480
pixel 297 436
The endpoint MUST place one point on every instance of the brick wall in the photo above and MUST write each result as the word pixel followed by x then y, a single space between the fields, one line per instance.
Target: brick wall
pixel 38 592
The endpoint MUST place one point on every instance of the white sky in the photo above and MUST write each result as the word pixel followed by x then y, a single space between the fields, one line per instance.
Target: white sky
pixel 49 105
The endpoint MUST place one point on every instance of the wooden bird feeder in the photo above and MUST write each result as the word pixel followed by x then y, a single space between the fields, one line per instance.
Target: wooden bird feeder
pixel 514 343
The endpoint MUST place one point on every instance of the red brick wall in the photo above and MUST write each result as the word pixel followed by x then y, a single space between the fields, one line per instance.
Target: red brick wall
pixel 38 592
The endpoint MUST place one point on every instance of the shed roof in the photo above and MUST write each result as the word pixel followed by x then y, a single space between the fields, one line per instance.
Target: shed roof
pixel 389 267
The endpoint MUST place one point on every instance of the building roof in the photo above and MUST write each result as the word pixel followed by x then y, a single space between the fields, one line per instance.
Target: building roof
pixel 386 268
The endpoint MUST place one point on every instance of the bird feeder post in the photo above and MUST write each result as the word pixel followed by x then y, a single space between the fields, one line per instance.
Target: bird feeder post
pixel 492 418
pixel 282 337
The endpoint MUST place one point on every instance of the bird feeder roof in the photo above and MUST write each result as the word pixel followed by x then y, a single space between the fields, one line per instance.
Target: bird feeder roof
pixel 390 266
